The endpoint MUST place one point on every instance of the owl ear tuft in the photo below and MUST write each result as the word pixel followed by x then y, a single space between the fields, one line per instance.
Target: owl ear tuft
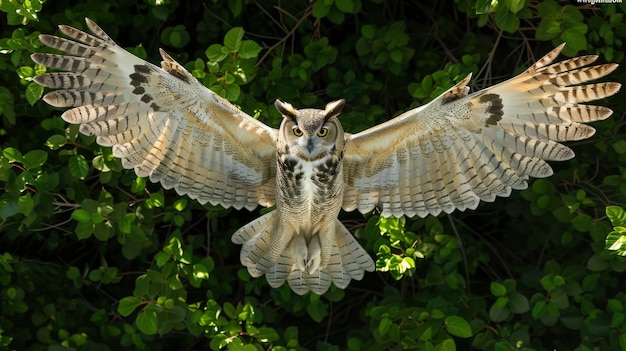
pixel 333 109
pixel 285 109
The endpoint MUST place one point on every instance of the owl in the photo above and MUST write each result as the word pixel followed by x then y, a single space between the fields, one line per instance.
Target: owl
pixel 449 154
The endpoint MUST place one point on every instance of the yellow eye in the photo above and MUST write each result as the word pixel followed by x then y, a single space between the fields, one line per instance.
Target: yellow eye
pixel 297 131
pixel 322 132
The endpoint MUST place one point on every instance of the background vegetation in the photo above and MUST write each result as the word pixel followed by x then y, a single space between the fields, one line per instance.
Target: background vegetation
pixel 94 258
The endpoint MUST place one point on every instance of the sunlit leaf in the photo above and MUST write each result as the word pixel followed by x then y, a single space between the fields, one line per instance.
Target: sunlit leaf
pixel 79 167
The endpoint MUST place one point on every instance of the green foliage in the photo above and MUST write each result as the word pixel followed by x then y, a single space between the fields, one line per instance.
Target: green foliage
pixel 616 240
pixel 94 258
pixel 385 48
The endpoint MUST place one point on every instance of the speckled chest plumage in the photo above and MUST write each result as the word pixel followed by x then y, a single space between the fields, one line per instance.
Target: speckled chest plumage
pixel 308 190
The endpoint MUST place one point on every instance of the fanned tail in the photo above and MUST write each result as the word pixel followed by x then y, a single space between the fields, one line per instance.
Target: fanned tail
pixel 348 259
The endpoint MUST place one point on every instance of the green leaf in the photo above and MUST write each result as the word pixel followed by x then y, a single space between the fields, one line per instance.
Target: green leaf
pixel 79 167
pixel 230 310
pixel 570 13
pixel 35 158
pixel 139 185
pixel 180 204
pixel 232 92
pixel 346 6
pixel 518 303
pixel 84 230
pixel 249 49
pixel 81 215
pixel 179 37
pixel 267 335
pixel 506 20
pixel 72 273
pixel 56 141
pixel 235 7
pixel 368 31
pixel 484 6
pixel 147 321
pixel 540 186
pixel 13 155
pixel 215 53
pixel 317 311
pixel 336 17
pixel 219 342
pixel 616 241
pixel 458 326
pixel 540 309
pixel 514 5
pixel 33 93
pixel 616 215
pixel 103 231
pixel 384 325
pixel 200 271
pixel 597 264
pixel 575 40
pixel 497 289
pixel 447 345
pixel 582 222
pixel 232 39
pixel 321 9
pixel 619 145
pixel 238 345
pixel 552 281
pixel 25 72
pixel 559 298
pixel 499 311
pixel 25 204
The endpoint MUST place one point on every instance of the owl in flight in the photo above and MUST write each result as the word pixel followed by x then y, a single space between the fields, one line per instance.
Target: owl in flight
pixel 449 154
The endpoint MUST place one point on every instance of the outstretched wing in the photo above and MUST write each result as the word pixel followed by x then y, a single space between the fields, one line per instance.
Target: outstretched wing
pixel 460 149
pixel 161 122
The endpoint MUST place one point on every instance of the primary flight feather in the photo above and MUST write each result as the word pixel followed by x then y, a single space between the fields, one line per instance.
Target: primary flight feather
pixel 452 153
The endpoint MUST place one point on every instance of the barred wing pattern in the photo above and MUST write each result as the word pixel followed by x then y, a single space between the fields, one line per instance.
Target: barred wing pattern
pixel 161 122
pixel 460 149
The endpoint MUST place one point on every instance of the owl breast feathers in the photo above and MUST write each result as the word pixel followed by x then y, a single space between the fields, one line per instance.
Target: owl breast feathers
pixel 449 154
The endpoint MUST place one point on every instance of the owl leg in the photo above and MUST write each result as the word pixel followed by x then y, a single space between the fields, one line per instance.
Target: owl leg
pixel 315 255
pixel 279 241
pixel 299 252
pixel 325 239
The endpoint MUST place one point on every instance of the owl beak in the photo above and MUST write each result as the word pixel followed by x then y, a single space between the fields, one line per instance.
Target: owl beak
pixel 310 145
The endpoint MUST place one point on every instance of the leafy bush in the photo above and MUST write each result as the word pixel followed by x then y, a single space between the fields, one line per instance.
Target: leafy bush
pixel 94 258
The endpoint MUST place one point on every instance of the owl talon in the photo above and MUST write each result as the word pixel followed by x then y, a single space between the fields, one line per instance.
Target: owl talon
pixel 313 265
pixel 299 252
pixel 315 255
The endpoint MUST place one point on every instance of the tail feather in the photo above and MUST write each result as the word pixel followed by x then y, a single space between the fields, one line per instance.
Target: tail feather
pixel 255 238
pixel 348 259
pixel 354 258
pixel 301 282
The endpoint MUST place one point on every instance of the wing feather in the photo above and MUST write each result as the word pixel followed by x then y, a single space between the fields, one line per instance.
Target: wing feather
pixel 161 122
pixel 460 149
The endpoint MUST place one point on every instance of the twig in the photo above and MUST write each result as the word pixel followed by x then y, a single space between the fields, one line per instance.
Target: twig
pixel 289 34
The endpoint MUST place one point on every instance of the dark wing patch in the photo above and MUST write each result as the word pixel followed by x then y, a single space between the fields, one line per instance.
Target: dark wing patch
pixel 493 108
pixel 139 79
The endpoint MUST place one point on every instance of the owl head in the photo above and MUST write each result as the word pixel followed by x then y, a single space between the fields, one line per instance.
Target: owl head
pixel 311 132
